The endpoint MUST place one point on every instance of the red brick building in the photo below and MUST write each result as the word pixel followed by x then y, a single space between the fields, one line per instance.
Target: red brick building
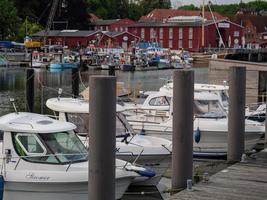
pixel 118 39
pixel 186 32
pixel 70 38
pixel 77 39
pixel 254 28
pixel 117 25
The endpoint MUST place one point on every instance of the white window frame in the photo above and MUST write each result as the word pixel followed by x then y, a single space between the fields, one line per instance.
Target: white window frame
pixel 36 138
pixel 170 43
pixel 180 33
pixel 143 33
pixel 160 33
pixel 180 43
pixel 190 44
pixel 190 33
pixel 170 33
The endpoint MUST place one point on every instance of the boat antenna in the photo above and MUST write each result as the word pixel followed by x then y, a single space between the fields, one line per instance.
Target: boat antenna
pixel 59 93
pixel 12 100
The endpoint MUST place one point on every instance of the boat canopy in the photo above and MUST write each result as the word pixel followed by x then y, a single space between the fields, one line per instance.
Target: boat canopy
pixel 23 122
pixel 71 105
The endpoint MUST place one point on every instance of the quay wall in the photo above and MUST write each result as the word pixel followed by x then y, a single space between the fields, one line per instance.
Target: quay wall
pixel 219 70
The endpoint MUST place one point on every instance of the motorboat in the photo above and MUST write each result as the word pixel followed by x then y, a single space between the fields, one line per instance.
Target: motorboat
pixel 149 151
pixel 220 90
pixel 210 125
pixel 43 158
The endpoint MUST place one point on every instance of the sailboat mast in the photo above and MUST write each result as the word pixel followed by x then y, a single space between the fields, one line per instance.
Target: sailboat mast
pixel 203 27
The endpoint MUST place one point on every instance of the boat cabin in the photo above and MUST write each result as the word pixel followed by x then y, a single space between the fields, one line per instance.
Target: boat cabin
pixel 30 139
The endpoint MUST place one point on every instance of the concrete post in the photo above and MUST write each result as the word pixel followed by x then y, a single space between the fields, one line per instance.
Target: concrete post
pixel 75 82
pixel 182 138
pixel 102 133
pixel 30 90
pixel 236 115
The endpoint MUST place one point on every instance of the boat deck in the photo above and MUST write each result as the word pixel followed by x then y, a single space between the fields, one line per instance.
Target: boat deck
pixel 245 180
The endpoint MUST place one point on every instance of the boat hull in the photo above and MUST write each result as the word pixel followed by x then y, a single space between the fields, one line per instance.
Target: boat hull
pixel 212 142
pixel 158 163
pixel 58 191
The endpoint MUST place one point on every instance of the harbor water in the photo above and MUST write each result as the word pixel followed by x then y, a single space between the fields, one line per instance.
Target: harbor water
pixel 47 83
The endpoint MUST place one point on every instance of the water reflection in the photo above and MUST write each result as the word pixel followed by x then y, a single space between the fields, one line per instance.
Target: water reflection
pixel 12 84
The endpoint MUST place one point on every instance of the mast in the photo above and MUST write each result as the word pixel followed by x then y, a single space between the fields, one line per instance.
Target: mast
pixel 203 26
pixel 50 19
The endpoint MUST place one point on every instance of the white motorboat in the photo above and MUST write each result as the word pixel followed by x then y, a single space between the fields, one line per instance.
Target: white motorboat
pixel 210 125
pixel 44 159
pixel 144 150
pixel 220 90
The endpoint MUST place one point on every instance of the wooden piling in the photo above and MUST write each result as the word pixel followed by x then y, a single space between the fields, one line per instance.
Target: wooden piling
pixel 30 90
pixel 111 70
pixel 236 114
pixel 182 138
pixel 75 82
pixel 102 133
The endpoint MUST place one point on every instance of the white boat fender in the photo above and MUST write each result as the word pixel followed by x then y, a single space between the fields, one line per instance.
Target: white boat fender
pixel 146 172
pixel 197 135
pixel 1 187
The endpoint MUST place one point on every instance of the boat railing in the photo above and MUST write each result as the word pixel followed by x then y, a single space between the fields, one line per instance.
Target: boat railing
pixel 49 155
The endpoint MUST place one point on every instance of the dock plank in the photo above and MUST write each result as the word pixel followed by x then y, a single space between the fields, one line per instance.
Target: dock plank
pixel 241 181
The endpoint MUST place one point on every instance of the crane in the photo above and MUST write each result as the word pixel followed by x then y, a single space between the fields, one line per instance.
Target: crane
pixel 50 19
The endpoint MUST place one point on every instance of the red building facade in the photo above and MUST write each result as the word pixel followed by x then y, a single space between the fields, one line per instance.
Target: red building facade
pixel 81 39
pixel 117 25
pixel 188 34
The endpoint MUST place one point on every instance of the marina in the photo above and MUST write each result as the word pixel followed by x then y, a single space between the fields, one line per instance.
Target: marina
pixel 49 82
pixel 133 100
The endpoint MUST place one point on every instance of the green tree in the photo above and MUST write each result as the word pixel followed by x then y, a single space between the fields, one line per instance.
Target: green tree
pixel 8 19
pixel 27 28
pixel 189 7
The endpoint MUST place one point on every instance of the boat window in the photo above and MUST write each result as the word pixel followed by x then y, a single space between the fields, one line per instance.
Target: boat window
pixel 159 101
pixel 51 148
pixel 66 146
pixel 82 123
pixel 225 98
pixel 30 144
pixel 1 135
pixel 207 106
pixel 30 147
pixel 80 120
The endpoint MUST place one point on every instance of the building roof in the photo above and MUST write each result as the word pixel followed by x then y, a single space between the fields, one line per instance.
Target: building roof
pixel 102 22
pixel 65 33
pixel 93 17
pixel 259 22
pixel 161 14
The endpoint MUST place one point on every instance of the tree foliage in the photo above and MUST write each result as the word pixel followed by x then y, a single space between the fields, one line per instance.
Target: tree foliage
pixel 8 19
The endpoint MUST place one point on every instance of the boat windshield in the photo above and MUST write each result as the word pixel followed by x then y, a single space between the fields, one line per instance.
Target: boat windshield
pixel 225 99
pixel 204 107
pixel 51 148
pixel 82 123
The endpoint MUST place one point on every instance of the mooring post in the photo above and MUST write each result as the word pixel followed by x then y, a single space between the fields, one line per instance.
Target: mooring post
pixel 182 137
pixel 111 70
pixel 266 120
pixel 30 90
pixel 31 59
pixel 81 60
pixel 75 82
pixel 102 123
pixel 236 114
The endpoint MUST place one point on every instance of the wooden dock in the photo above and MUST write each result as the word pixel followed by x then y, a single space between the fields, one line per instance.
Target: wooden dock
pixel 242 181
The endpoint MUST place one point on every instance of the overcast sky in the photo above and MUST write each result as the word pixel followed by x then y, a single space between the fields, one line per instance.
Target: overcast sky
pixel 197 2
